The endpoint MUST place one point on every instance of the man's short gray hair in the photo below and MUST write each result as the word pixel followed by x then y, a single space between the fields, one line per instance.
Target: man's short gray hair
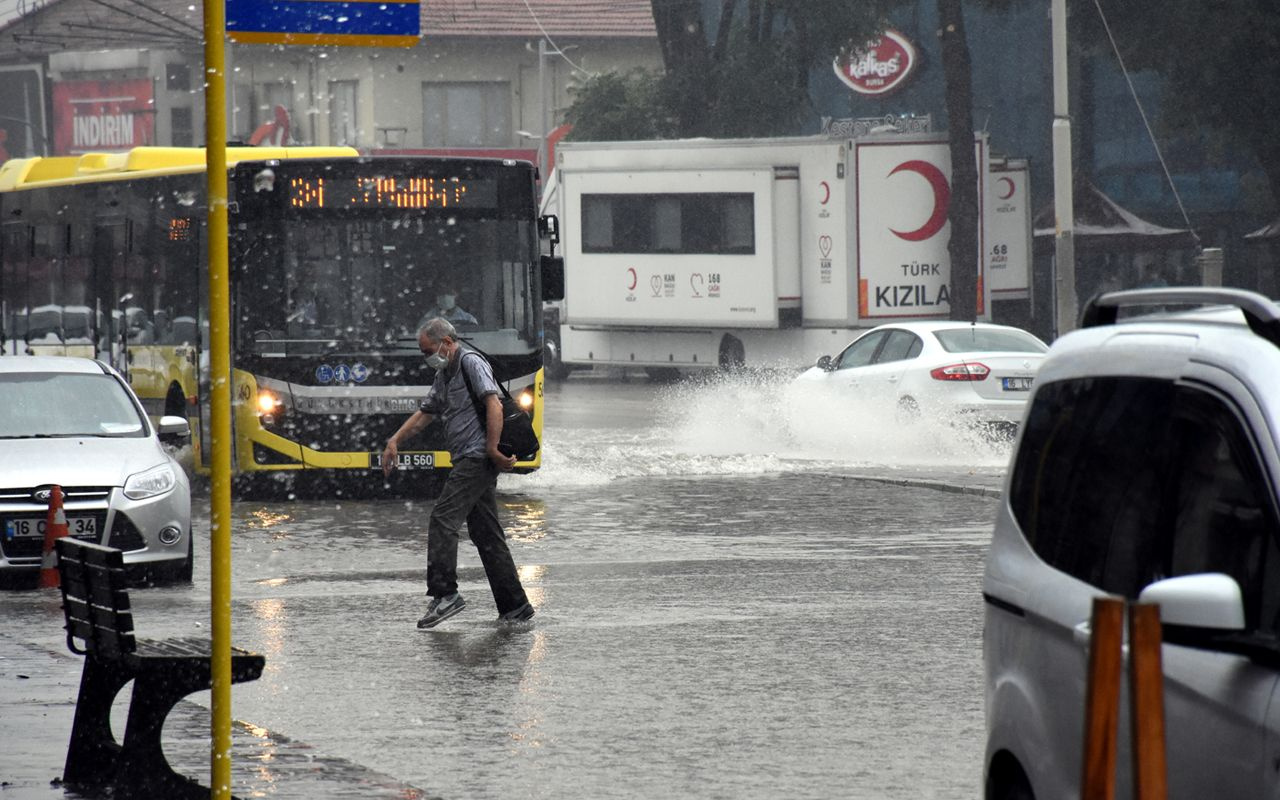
pixel 437 329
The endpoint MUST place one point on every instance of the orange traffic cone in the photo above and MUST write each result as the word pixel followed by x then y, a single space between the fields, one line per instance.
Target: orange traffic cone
pixel 55 526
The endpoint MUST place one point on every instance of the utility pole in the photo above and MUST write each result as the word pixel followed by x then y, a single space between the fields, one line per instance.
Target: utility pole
pixel 1064 259
pixel 545 122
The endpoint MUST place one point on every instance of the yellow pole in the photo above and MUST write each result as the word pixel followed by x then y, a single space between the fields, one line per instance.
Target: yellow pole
pixel 215 127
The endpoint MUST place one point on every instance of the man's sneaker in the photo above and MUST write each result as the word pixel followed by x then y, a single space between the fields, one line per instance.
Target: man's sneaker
pixel 442 608
pixel 517 614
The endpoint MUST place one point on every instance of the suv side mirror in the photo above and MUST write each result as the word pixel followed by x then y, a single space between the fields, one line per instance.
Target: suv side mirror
pixel 552 277
pixel 1209 600
pixel 825 363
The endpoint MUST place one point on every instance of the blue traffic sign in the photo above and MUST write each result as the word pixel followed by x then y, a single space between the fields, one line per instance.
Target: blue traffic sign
pixel 363 23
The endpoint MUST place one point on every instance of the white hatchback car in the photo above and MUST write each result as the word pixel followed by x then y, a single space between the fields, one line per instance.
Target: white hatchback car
pixel 75 423
pixel 971 371
pixel 1148 468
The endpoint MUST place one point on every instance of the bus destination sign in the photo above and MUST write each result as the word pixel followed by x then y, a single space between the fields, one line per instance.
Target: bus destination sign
pixel 382 191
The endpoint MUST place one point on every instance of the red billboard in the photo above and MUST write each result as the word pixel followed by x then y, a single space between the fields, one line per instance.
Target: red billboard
pixel 880 66
pixel 102 115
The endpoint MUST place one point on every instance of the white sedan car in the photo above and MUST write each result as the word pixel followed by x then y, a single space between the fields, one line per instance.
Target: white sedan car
pixel 974 372
pixel 75 423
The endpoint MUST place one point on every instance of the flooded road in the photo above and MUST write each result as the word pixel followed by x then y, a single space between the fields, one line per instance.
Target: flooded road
pixel 722 611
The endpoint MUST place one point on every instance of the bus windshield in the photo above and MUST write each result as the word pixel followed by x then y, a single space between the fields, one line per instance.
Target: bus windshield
pixel 373 279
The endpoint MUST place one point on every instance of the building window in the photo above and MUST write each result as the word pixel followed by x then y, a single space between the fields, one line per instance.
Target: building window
pixel 466 114
pixel 181 130
pixel 177 77
pixel 343 123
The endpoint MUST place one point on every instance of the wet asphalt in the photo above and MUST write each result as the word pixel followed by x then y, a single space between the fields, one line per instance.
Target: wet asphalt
pixel 739 593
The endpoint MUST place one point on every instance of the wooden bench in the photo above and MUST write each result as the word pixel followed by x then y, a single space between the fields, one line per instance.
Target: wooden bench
pixel 95 599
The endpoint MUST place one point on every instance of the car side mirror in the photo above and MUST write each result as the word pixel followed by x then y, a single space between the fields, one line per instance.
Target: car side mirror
pixel 1208 600
pixel 174 429
pixel 826 364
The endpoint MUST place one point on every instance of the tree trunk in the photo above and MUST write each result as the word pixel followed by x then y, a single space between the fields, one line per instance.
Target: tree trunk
pixel 686 56
pixel 963 212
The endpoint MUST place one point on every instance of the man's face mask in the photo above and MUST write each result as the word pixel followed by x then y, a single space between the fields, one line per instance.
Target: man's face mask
pixel 446 301
pixel 438 360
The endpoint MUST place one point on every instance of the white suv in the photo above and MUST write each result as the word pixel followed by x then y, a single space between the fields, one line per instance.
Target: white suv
pixel 1147 467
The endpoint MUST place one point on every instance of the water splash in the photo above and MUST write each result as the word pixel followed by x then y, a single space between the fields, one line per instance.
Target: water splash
pixel 741 424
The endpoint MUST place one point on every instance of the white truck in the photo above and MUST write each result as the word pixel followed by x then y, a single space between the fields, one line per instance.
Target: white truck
pixel 691 254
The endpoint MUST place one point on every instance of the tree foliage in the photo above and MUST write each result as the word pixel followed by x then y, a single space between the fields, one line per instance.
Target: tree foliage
pixel 1220 61
pixel 740 71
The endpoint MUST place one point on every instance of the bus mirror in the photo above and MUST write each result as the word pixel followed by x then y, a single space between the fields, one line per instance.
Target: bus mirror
pixel 549 228
pixel 552 278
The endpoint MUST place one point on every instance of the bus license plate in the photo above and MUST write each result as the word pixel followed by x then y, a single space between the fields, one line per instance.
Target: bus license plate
pixel 33 527
pixel 405 460
pixel 1017 384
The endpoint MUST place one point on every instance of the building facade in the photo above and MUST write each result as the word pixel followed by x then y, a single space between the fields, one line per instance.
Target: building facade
pixel 485 74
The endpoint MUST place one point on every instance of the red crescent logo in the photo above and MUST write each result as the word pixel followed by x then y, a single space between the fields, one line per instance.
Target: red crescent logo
pixel 632 287
pixel 1007 182
pixel 941 199
pixel 826 193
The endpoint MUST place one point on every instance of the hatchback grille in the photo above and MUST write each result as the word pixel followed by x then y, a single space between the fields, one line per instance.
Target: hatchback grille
pixel 18 503
pixel 78 493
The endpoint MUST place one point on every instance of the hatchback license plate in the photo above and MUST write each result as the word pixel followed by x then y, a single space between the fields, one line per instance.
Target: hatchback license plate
pixel 33 527
pixel 1017 384
pixel 405 460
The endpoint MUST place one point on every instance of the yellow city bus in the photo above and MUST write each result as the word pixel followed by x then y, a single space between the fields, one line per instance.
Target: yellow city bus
pixel 336 258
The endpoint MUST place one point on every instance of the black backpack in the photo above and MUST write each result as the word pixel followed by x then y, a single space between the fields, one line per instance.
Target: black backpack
pixel 518 438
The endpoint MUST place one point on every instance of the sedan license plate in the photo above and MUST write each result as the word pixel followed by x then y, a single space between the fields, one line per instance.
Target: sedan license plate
pixel 405 460
pixel 33 527
pixel 1017 384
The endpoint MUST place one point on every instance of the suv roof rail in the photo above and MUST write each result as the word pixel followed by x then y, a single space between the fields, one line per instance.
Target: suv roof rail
pixel 1261 313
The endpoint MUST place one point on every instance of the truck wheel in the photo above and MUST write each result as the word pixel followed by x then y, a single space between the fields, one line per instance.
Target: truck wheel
pixel 733 354
pixel 551 362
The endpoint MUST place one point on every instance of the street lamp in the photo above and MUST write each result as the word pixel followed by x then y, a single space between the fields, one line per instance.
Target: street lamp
pixel 545 49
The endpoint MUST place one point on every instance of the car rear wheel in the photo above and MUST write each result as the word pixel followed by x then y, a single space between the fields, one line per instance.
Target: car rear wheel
pixel 908 411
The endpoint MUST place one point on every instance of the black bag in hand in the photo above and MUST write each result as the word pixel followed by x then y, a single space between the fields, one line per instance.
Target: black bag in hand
pixel 518 438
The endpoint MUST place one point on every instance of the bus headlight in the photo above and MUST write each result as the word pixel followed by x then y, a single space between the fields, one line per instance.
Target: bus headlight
pixel 270 407
pixel 525 399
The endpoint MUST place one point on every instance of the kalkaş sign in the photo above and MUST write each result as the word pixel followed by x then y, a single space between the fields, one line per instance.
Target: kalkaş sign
pixel 878 67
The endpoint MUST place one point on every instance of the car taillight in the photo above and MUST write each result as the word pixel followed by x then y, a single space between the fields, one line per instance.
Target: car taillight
pixel 964 371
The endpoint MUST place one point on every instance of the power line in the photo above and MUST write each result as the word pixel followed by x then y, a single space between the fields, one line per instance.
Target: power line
pixel 552 42
pixel 1142 113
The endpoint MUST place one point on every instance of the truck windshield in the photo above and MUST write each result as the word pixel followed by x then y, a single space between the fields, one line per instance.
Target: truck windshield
pixel 374 279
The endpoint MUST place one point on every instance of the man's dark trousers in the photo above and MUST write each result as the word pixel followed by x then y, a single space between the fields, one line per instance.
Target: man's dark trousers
pixel 469 496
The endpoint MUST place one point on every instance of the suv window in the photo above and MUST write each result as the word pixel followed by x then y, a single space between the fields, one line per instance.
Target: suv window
pixel 1124 481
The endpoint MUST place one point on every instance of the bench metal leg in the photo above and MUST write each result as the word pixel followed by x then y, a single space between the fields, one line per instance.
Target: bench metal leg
pixel 93 754
pixel 144 771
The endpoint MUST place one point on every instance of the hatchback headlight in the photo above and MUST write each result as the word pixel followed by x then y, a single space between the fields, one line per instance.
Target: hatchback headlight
pixel 154 481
